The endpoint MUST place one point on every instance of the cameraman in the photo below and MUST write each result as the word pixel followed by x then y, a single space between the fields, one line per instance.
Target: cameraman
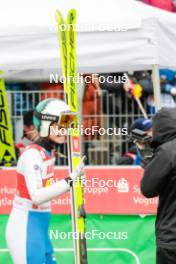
pixel 133 157
pixel 160 180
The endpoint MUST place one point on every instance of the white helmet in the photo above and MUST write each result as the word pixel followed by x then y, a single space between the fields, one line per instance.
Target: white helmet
pixel 51 111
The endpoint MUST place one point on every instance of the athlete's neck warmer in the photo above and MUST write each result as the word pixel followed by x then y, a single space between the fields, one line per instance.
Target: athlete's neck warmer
pixel 46 144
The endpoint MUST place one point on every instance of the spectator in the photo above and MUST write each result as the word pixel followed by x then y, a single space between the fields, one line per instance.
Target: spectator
pixel 30 134
pixel 90 110
pixel 91 106
pixel 168 91
pixel 51 91
pixel 118 108
pixel 112 93
pixel 168 88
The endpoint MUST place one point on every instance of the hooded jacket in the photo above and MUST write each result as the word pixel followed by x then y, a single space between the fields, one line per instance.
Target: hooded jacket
pixel 160 176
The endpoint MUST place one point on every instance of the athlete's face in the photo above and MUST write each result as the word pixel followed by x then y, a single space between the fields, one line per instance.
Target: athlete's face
pixel 58 134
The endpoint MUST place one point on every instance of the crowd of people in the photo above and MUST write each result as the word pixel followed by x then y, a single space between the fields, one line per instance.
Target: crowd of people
pixel 114 101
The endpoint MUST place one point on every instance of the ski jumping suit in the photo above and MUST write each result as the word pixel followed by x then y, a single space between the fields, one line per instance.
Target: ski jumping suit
pixel 27 228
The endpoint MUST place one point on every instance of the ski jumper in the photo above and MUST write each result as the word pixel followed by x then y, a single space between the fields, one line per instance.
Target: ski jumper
pixel 27 228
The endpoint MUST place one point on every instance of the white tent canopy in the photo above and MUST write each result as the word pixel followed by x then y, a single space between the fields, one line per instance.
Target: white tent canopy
pixel 29 45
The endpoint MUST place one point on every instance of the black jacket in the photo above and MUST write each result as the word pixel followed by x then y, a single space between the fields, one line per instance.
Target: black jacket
pixel 160 176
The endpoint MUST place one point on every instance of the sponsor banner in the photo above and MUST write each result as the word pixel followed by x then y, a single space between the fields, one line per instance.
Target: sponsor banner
pixel 108 190
pixel 115 239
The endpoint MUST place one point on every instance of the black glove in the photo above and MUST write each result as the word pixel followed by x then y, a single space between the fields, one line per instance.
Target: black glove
pixel 146 153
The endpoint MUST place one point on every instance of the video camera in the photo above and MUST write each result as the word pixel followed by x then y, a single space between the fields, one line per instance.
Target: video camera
pixel 140 136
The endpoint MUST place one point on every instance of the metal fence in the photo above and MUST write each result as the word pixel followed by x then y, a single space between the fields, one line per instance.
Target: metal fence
pixel 115 111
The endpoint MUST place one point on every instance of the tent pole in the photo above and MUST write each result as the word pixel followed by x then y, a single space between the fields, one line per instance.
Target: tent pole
pixel 156 86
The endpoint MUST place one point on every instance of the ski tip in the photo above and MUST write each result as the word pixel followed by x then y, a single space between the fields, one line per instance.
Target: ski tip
pixel 72 11
pixel 59 17
pixel 71 17
pixel 57 14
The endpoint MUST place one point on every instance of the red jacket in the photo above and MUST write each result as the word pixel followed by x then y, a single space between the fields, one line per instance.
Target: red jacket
pixel 91 108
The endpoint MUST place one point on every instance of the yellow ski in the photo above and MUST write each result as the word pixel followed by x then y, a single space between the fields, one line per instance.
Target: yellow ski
pixel 67 40
pixel 7 150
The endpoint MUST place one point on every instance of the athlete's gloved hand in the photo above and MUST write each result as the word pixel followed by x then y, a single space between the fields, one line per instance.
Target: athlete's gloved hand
pixel 78 172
